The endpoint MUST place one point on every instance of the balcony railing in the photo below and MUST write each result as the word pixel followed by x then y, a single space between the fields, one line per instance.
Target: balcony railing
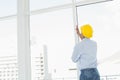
pixel 110 77
pixel 106 77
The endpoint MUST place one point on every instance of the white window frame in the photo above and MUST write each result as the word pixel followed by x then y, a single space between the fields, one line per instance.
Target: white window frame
pixel 23 40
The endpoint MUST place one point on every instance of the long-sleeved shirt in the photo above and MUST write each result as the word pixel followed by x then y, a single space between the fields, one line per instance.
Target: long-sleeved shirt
pixel 85 54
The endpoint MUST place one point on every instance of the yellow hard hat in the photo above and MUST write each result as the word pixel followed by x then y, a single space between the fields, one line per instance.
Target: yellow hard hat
pixel 86 30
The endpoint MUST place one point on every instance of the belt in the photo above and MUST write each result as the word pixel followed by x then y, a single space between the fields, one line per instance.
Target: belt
pixel 87 69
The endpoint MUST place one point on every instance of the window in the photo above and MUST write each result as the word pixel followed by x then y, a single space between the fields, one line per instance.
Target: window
pixel 42 69
pixel 41 4
pixel 41 57
pixel 41 65
pixel 8 7
pixel 104 18
pixel 41 61
pixel 42 73
pixel 8 39
pixel 55 30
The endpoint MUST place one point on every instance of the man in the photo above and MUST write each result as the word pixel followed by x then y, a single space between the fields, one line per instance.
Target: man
pixel 85 54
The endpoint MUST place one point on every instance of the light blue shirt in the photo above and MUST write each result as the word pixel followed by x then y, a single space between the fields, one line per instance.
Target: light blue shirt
pixel 85 54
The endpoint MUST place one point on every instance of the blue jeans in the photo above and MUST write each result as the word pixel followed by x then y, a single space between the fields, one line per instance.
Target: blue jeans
pixel 89 74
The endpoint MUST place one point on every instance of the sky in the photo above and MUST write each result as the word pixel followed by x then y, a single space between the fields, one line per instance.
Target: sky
pixel 55 30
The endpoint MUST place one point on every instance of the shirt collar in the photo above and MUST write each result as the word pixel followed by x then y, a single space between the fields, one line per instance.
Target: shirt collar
pixel 86 39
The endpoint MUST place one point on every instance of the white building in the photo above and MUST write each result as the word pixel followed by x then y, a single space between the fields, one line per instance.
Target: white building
pixel 41 66
pixel 8 68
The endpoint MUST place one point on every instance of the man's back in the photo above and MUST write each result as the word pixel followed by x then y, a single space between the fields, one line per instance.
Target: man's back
pixel 88 56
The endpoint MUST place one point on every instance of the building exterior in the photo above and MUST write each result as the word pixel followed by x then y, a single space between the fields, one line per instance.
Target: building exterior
pixel 9 67
pixel 41 67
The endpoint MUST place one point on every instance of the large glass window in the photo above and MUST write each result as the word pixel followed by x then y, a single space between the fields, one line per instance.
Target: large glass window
pixel 8 7
pixel 40 4
pixel 52 38
pixel 52 41
pixel 8 36
pixel 8 41
pixel 8 51
pixel 104 18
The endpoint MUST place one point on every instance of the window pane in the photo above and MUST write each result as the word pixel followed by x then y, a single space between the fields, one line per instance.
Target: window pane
pixel 8 7
pixel 8 35
pixel 104 18
pixel 8 50
pixel 52 38
pixel 89 0
pixel 40 4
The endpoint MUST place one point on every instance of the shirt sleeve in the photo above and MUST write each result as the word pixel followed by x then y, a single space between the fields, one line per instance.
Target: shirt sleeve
pixel 77 51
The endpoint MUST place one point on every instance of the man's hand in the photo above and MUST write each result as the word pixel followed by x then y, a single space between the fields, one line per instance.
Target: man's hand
pixel 77 30
pixel 78 33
